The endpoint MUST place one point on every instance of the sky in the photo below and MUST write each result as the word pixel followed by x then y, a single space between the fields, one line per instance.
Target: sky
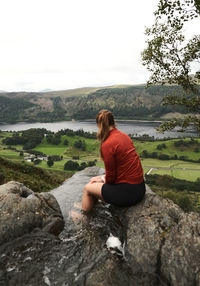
pixel 65 44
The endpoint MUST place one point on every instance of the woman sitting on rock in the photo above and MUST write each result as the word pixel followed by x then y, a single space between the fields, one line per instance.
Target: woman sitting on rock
pixel 123 183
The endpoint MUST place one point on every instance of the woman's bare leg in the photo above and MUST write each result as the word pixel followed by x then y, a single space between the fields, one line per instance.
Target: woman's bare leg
pixel 77 205
pixel 92 192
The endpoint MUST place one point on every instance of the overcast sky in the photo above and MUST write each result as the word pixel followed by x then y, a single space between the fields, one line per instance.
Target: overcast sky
pixel 63 44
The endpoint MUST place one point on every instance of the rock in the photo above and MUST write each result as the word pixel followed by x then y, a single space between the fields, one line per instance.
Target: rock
pixel 72 190
pixel 159 243
pixel 22 211
pixel 164 240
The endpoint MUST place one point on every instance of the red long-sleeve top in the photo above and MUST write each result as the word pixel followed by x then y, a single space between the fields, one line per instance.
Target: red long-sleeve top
pixel 122 163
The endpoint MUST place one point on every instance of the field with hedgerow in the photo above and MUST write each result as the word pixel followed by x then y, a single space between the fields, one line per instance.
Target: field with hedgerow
pixel 42 160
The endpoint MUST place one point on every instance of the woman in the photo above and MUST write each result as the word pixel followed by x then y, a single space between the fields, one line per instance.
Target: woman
pixel 123 184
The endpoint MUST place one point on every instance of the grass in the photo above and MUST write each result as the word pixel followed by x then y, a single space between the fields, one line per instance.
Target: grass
pixel 33 177
pixel 10 154
pixel 57 166
pixel 5 134
pixel 148 162
pixel 69 150
pixel 83 91
pixel 170 149
pixel 100 164
pixel 72 92
pixel 179 174
pixel 92 153
pixel 190 175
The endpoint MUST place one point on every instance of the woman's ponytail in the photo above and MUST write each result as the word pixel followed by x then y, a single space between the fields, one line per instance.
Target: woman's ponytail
pixel 104 120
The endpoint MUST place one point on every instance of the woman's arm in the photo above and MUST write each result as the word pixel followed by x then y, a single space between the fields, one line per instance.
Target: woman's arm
pixel 109 157
pixel 110 166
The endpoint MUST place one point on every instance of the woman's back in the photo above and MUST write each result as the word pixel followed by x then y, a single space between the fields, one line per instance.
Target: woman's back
pixel 121 160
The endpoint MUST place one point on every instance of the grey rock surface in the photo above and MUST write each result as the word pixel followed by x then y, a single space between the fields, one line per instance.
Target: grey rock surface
pixel 161 245
pixel 165 240
pixel 22 211
pixel 72 190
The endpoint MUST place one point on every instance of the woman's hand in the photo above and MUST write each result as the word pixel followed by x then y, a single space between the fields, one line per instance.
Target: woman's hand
pixel 97 179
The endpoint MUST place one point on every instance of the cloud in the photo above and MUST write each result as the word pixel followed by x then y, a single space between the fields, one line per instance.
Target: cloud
pixel 62 44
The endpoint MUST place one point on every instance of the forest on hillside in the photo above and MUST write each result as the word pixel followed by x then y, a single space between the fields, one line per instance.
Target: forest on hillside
pixel 132 102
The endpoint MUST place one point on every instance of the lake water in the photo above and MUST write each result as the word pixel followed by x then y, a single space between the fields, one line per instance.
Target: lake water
pixel 129 127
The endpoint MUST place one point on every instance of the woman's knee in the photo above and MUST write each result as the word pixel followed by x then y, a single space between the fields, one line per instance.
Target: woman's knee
pixel 86 188
pixel 93 189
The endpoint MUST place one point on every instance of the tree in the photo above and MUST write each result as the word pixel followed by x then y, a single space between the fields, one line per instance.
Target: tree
pixel 71 165
pixel 169 58
pixel 50 162
pixel 37 161
pixel 145 154
pixel 66 142
pixel 83 165
pixel 80 144
pixel 91 163
pixel 185 202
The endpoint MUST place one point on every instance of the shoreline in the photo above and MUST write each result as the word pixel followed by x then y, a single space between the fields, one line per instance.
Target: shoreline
pixel 81 120
pixel 130 126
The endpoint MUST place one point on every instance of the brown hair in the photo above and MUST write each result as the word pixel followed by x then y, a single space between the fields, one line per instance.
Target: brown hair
pixel 104 120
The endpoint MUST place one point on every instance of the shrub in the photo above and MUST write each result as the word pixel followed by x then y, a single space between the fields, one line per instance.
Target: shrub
pixel 71 165
pixel 161 146
pixel 1 178
pixel 66 142
pixel 75 157
pixel 183 158
pixel 55 158
pixel 184 202
pixel 163 157
pixel 80 144
pixel 154 155
pixel 50 163
pixel 82 166
pixel 91 163
pixel 145 154
pixel 36 161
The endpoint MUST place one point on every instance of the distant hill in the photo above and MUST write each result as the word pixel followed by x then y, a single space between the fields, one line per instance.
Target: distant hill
pixel 125 101
pixel 46 90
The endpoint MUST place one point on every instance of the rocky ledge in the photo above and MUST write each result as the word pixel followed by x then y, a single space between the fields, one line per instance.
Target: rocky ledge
pixel 157 242
pixel 22 211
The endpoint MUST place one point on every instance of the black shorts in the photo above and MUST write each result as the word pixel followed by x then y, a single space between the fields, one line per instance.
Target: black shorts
pixel 124 194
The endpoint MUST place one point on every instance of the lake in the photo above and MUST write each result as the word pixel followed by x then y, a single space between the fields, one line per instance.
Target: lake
pixel 129 127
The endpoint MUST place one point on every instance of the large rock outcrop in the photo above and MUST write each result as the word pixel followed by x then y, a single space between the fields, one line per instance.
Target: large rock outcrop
pixel 160 245
pixel 22 211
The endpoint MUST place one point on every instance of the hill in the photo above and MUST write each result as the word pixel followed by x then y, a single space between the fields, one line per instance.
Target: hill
pixel 33 177
pixel 126 102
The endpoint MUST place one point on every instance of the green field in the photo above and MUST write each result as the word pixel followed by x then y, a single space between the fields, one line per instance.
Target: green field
pixel 189 175
pixel 9 154
pixel 91 153
pixel 69 151
pixel 170 149
pixel 179 174
pixel 148 162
